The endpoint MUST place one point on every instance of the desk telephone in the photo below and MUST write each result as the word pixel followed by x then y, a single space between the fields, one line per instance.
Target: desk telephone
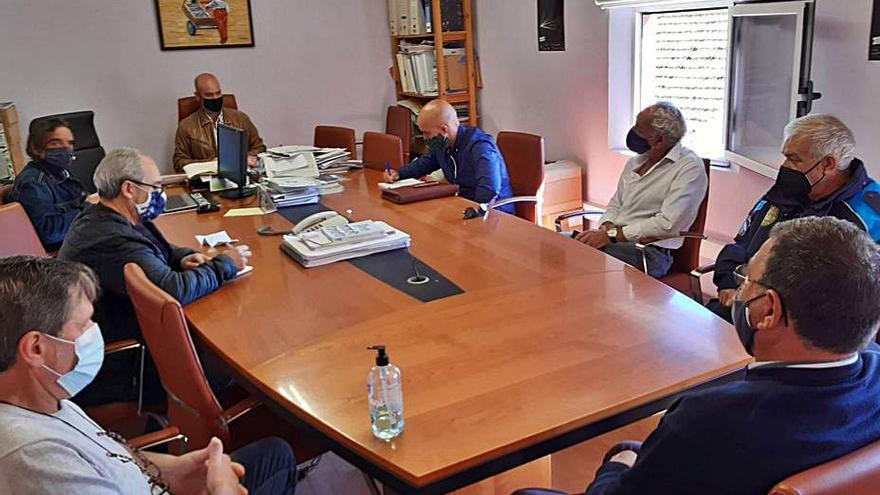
pixel 317 221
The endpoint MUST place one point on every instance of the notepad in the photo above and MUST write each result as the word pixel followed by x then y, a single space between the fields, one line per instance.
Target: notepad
pixel 244 212
pixel 400 183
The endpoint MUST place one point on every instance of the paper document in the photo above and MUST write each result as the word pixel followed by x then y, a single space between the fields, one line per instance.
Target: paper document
pixel 298 165
pixel 244 271
pixel 400 183
pixel 352 241
pixel 244 212
pixel 215 239
pixel 200 168
pixel 172 179
pixel 217 184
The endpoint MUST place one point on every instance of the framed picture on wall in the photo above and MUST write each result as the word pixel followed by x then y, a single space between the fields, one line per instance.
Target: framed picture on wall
pixel 187 24
pixel 874 45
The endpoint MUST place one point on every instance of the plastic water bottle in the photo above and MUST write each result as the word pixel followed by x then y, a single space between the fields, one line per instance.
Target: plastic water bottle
pixel 386 397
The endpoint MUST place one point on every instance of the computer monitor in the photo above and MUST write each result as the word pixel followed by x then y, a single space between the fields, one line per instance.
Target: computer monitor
pixel 232 148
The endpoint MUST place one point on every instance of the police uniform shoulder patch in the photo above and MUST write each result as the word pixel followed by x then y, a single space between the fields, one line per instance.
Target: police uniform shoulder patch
pixel 771 217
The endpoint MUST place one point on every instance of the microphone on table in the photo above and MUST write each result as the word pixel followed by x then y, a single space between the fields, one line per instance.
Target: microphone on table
pixel 483 209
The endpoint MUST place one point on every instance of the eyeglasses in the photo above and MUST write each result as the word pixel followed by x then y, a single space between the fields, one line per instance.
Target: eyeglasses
pixel 741 274
pixel 153 187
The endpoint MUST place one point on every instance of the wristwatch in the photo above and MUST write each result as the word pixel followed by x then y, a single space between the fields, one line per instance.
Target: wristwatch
pixel 612 234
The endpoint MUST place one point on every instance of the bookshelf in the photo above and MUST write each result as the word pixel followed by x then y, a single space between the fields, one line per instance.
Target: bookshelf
pixel 461 39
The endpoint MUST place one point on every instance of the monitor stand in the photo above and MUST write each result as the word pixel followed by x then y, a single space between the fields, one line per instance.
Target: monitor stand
pixel 242 192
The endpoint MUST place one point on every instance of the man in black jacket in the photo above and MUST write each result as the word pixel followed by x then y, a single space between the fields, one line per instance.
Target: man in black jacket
pixel 119 230
pixel 820 177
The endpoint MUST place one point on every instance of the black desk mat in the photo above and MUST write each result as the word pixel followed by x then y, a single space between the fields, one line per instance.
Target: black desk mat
pixel 396 268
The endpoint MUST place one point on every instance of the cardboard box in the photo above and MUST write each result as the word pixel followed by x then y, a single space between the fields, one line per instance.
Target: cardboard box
pixel 456 72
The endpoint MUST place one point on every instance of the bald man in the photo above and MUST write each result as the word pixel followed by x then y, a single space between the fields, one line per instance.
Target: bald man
pixel 196 139
pixel 468 156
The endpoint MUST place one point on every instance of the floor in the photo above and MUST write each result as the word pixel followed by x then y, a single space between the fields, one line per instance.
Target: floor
pixel 572 468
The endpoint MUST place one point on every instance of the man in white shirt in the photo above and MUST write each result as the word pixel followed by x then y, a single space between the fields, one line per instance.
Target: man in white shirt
pixel 658 194
pixel 50 349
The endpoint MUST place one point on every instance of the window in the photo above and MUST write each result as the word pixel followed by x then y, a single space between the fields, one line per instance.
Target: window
pixel 738 73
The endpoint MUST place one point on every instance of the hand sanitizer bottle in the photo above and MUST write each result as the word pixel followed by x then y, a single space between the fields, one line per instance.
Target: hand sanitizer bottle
pixel 386 397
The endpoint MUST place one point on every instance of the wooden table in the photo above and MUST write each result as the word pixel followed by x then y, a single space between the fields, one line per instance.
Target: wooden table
pixel 552 342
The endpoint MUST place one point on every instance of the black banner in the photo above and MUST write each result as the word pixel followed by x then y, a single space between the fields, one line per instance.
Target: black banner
pixel 874 42
pixel 551 26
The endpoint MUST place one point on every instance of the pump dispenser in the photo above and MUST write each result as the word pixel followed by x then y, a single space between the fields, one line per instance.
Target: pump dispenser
pixel 386 396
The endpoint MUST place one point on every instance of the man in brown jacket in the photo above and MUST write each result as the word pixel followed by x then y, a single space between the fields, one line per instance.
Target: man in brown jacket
pixel 196 139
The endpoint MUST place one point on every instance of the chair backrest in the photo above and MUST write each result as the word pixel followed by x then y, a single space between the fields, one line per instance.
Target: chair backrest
pixel 687 257
pixel 187 105
pixel 398 122
pixel 87 146
pixel 380 148
pixel 329 136
pixel 192 406
pixel 857 473
pixel 5 189
pixel 524 155
pixel 19 236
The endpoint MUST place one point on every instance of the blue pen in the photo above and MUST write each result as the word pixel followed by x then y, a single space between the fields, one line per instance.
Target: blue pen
pixel 388 169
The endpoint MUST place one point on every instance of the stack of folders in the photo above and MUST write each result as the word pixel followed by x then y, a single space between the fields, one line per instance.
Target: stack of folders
pixel 416 16
pixel 343 242
pixel 417 65
pixel 303 161
pixel 292 191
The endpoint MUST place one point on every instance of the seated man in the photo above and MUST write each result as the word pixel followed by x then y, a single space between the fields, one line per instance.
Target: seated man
pixel 49 195
pixel 196 139
pixel 658 195
pixel 49 350
pixel 807 310
pixel 820 176
pixel 119 230
pixel 468 157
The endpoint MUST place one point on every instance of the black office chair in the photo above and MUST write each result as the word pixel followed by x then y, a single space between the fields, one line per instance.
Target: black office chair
pixel 87 148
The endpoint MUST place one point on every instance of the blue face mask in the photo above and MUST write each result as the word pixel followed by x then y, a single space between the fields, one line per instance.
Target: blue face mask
pixel 89 348
pixel 58 158
pixel 150 209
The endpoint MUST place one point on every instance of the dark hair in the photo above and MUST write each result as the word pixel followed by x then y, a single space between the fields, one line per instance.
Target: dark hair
pixel 38 294
pixel 36 142
pixel 828 274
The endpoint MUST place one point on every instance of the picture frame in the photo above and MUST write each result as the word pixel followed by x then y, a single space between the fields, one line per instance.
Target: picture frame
pixel 196 24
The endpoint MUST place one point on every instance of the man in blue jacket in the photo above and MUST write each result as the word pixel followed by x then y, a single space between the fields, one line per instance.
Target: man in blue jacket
pixel 820 177
pixel 49 195
pixel 807 310
pixel 468 157
pixel 120 230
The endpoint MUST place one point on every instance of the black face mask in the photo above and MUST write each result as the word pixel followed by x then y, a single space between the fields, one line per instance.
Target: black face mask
pixel 794 184
pixel 636 143
pixel 213 104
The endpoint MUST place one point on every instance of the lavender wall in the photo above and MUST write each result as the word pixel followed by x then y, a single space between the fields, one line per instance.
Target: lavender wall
pixel 315 61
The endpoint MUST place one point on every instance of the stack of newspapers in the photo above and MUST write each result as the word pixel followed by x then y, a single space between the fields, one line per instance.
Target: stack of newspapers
pixel 292 191
pixel 341 242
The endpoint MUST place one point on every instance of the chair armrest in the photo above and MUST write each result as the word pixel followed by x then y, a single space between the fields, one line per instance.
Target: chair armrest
pixel 574 214
pixel 163 436
pixel 239 409
pixel 681 235
pixel 121 345
pixel 702 270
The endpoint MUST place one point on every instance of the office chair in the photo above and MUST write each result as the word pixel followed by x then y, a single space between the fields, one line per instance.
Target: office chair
pixel 380 148
pixel 192 405
pixel 524 155
pixel 398 122
pixel 685 260
pixel 187 105
pixel 87 148
pixel 328 136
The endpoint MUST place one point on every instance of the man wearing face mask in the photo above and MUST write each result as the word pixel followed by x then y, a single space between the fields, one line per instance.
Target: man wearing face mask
pixel 119 230
pixel 45 188
pixel 658 194
pixel 820 177
pixel 50 349
pixel 807 310
pixel 196 139
pixel 468 157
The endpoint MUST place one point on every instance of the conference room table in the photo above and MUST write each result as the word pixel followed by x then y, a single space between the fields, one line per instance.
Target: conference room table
pixel 551 343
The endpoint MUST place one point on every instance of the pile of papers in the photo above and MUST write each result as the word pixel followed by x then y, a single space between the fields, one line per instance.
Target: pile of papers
pixel 337 243
pixel 305 161
pixel 196 169
pixel 292 191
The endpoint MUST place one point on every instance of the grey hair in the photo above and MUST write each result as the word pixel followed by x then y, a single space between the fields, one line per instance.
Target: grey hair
pixel 668 121
pixel 39 294
pixel 828 136
pixel 118 166
pixel 827 272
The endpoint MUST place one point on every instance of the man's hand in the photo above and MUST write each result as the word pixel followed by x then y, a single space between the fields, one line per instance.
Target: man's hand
pixel 222 474
pixel 627 457
pixel 725 297
pixel 391 176
pixel 194 260
pixel 252 161
pixel 595 238
pixel 240 255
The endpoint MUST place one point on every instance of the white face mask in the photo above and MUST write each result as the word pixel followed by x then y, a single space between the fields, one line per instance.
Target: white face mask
pixel 89 348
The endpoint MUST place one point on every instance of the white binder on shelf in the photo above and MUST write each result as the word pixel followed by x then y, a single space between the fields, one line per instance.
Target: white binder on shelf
pixel 392 16
pixel 403 17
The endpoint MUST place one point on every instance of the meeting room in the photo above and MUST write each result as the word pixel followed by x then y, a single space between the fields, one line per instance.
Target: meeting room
pixel 424 247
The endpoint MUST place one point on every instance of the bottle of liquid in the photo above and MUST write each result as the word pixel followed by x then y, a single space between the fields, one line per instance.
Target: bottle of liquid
pixel 386 397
